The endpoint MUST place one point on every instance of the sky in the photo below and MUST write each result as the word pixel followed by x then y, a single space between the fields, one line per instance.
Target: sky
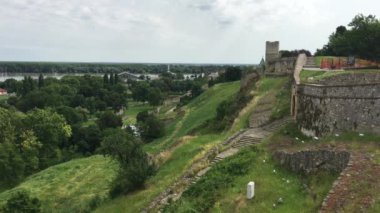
pixel 168 31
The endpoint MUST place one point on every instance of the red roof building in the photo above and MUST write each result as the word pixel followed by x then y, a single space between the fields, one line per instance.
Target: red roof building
pixel 3 91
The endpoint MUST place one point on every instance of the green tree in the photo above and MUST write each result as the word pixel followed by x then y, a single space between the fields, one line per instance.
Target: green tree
pixel 21 202
pixel 105 79
pixel 150 127
pixel 232 74
pixel 41 81
pixel 196 89
pixel 134 168
pixel 30 148
pixel 116 78
pixel 140 91
pixel 109 119
pixel 12 165
pixel 112 79
pixel 51 130
pixel 72 116
pixel 360 40
pixel 154 96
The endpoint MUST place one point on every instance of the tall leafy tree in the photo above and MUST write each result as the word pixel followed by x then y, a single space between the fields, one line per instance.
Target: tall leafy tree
pixel 51 130
pixel 360 39
pixel 116 78
pixel 41 81
pixel 134 168
pixel 105 79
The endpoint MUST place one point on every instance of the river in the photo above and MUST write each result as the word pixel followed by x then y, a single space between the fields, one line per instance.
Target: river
pixel 20 76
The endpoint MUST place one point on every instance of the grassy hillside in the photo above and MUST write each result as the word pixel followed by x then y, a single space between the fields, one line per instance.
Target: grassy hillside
pixel 180 150
pixel 70 187
pixel 79 185
pixel 197 112
pixel 224 187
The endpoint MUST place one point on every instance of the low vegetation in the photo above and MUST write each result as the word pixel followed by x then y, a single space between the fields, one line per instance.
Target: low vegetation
pixel 224 187
pixel 75 186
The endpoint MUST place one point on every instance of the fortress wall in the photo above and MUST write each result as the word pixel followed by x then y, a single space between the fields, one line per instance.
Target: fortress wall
pixel 281 65
pixel 322 110
pixel 346 79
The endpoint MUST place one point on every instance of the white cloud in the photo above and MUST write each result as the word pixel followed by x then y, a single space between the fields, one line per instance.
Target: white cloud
pixel 216 31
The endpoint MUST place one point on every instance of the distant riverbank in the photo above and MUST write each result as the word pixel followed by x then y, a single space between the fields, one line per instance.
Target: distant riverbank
pixel 20 76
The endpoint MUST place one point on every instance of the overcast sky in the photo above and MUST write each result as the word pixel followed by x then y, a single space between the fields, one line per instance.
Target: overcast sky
pixel 184 31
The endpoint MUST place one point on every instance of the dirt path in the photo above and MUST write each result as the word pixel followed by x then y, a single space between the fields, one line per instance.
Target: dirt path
pixel 357 187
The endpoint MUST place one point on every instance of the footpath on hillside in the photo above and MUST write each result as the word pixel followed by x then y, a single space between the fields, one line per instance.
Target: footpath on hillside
pixel 260 127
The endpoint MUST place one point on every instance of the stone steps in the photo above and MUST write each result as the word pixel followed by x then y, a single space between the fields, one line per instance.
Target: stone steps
pixel 234 137
pixel 247 141
pixel 260 119
pixel 276 125
pixel 310 63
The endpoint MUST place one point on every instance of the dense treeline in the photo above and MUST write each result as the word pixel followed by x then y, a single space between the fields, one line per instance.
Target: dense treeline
pixel 50 67
pixel 360 39
pixel 88 92
pixel 294 53
pixel 154 92
pixel 30 142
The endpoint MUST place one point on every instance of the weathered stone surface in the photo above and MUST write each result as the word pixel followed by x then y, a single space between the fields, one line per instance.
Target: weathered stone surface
pixel 327 109
pixel 311 161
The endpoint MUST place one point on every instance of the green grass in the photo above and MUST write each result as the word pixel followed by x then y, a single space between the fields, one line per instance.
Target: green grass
pixel 310 76
pixel 198 111
pixel 265 87
pixel 4 97
pixel 70 186
pixel 204 106
pixel 179 159
pixel 223 189
pixel 181 156
pixel 133 109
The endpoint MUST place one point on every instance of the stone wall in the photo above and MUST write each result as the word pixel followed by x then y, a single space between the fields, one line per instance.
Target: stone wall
pixel 326 109
pixel 272 50
pixel 311 161
pixel 281 65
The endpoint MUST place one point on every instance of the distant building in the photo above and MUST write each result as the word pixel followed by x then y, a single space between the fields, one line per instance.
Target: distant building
pixel 3 91
pixel 213 75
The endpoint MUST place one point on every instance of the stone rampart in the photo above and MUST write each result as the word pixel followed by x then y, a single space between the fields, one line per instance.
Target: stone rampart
pixel 311 161
pixel 325 109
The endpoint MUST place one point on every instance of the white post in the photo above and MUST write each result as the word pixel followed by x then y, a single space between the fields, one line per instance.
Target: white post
pixel 250 190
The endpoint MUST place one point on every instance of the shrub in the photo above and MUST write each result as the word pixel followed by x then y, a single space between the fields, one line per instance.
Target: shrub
pixel 21 202
pixel 134 168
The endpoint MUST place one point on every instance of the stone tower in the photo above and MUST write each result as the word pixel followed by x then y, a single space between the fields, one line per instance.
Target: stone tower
pixel 272 51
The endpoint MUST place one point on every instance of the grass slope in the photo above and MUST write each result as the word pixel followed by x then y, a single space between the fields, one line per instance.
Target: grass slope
pixel 70 186
pixel 183 149
pixel 197 112
pixel 223 188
